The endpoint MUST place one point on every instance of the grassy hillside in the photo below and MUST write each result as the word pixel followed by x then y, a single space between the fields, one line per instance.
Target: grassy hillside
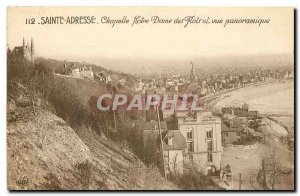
pixel 57 142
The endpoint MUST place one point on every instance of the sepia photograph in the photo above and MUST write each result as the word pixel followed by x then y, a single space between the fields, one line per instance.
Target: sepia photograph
pixel 150 98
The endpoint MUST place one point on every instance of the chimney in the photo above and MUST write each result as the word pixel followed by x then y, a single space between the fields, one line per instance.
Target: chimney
pixel 170 140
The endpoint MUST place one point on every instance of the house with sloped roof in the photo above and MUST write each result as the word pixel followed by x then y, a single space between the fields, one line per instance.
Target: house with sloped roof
pixel 174 143
pixel 253 114
pixel 231 131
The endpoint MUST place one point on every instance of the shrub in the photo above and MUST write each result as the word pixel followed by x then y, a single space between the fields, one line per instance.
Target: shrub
pixel 195 180
pixel 52 182
pixel 84 173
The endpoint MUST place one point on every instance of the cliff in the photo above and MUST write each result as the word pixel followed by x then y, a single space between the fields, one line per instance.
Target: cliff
pixel 44 153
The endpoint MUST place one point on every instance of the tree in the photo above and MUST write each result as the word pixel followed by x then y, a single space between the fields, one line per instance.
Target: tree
pixel 273 168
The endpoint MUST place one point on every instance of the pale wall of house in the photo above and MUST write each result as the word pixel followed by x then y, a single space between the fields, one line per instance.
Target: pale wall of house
pixel 174 158
pixel 75 73
pixel 88 74
pixel 199 134
pixel 200 154
pixel 201 162
pixel 232 137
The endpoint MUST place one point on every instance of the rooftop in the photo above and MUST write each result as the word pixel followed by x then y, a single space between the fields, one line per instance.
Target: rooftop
pixel 178 140
pixel 231 125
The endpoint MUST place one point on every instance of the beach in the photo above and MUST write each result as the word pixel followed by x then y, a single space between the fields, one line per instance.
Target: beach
pixel 274 99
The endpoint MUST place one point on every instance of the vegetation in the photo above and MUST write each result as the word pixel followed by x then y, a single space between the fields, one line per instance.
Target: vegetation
pixel 192 179
pixel 52 182
pixel 75 101
pixel 84 173
pixel 39 82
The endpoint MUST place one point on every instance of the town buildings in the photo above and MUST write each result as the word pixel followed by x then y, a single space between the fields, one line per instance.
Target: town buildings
pixel 86 72
pixel 79 72
pixel 103 77
pixel 240 112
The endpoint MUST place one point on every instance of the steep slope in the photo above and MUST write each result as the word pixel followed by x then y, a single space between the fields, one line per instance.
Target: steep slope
pixel 45 153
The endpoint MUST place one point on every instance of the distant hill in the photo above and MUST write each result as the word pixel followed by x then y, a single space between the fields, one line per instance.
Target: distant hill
pixel 57 65
pixel 202 63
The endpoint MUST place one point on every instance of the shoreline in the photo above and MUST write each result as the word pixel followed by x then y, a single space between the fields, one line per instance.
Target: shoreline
pixel 286 125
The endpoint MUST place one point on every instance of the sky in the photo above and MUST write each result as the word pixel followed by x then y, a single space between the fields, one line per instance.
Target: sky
pixel 152 41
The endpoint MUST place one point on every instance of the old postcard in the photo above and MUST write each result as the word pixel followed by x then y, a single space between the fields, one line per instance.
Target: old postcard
pixel 150 98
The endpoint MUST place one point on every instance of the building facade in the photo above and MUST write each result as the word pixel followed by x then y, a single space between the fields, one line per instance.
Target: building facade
pixel 204 141
pixel 231 132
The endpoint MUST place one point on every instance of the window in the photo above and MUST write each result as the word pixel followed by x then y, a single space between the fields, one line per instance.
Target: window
pixel 170 140
pixel 190 147
pixel 189 133
pixel 209 157
pixel 209 132
pixel 226 134
pixel 209 146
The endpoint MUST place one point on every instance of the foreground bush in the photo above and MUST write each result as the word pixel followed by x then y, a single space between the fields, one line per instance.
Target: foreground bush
pixel 195 180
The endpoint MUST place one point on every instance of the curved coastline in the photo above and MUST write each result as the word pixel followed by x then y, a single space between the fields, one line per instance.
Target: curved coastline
pixel 273 99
